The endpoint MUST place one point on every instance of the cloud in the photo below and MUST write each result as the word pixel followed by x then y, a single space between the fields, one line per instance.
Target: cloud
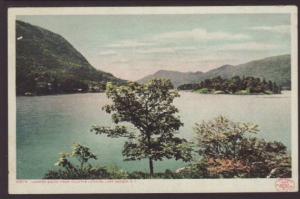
pixel 129 44
pixel 186 48
pixel 194 35
pixel 250 46
pixel 156 50
pixel 166 50
pixel 282 29
pixel 244 46
pixel 108 52
pixel 121 60
pixel 199 35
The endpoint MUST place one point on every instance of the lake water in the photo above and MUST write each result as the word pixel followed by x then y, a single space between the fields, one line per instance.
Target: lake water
pixel 48 125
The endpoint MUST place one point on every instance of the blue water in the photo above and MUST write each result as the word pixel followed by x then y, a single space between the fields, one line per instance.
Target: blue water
pixel 48 125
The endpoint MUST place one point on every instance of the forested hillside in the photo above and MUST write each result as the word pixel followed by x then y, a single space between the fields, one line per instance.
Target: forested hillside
pixel 46 63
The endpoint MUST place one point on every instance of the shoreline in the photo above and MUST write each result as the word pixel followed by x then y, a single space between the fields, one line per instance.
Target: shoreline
pixel 56 94
pixel 235 94
pixel 191 91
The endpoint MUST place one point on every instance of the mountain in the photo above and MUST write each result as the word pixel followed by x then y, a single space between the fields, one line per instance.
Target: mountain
pixel 225 71
pixel 276 69
pixel 176 77
pixel 46 63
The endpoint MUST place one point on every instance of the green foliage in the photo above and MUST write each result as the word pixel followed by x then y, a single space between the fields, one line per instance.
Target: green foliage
pixel 228 150
pixel 79 152
pixel 148 107
pixel 247 92
pixel 118 131
pixel 48 64
pixel 235 85
pixel 68 170
pixel 86 173
pixel 202 91
pixel 116 173
pixel 275 68
pixel 84 170
pixel 82 154
pixel 168 174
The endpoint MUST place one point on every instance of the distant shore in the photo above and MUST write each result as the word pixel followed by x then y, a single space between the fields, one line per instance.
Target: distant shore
pixel 67 93
pixel 224 93
pixel 240 92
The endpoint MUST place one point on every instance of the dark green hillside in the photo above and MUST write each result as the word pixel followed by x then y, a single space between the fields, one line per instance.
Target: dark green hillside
pixel 48 64
pixel 276 68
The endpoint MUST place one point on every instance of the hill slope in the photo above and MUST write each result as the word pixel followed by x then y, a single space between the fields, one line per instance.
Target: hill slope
pixel 46 63
pixel 225 71
pixel 176 77
pixel 276 69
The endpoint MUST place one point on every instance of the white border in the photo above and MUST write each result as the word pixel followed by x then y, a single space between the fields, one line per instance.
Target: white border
pixel 145 186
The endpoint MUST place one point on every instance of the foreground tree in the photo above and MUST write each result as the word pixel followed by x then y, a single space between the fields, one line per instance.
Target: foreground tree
pixel 149 108
pixel 229 150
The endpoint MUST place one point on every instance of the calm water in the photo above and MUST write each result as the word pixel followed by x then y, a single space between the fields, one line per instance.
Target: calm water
pixel 48 125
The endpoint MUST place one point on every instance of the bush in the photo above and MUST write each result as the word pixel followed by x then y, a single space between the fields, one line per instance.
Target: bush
pixel 116 173
pixel 138 175
pixel 243 92
pixel 168 174
pixel 87 173
pixel 82 171
pixel 229 151
pixel 203 91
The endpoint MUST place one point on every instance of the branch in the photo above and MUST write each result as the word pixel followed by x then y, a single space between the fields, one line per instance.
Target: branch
pixel 118 131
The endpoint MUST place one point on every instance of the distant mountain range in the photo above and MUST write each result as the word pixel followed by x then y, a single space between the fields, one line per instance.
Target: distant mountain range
pixel 276 69
pixel 46 63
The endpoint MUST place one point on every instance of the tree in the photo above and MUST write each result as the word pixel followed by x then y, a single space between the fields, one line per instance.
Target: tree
pixel 81 153
pixel 149 108
pixel 234 85
pixel 69 170
pixel 229 150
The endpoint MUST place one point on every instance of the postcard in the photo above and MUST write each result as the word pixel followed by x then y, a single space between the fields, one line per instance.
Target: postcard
pixel 153 99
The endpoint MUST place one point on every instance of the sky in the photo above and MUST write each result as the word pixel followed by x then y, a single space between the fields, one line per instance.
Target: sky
pixel 133 46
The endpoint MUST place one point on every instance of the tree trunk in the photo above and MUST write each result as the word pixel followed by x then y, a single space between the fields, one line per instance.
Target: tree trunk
pixel 151 167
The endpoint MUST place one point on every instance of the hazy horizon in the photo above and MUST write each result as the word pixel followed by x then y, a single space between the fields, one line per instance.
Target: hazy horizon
pixel 131 47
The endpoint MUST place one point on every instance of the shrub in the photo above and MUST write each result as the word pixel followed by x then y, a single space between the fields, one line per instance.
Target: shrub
pixel 203 91
pixel 229 151
pixel 82 171
pixel 87 173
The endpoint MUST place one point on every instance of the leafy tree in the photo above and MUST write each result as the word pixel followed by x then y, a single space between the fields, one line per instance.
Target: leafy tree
pixel 229 150
pixel 149 108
